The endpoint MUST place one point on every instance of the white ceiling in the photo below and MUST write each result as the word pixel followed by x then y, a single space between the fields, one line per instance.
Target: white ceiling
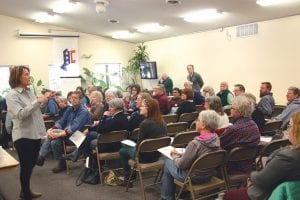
pixel 132 13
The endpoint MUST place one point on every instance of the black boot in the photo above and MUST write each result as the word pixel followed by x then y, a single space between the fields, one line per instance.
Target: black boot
pixel 61 166
pixel 40 161
pixel 33 195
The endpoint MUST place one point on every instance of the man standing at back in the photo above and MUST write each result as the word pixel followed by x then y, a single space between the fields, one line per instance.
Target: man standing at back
pixel 194 78
pixel 167 82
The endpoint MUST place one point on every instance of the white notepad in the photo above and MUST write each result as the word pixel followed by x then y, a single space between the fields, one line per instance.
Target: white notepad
pixel 77 138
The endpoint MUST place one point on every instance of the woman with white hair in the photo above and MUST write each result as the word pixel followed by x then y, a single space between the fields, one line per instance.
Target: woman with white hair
pixel 207 141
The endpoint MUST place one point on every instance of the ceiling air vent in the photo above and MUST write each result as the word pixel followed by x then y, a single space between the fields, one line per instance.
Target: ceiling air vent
pixel 247 30
pixel 173 2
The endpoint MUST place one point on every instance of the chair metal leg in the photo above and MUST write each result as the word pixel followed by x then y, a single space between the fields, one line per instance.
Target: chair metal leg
pixel 99 168
pixel 128 181
pixel 65 154
pixel 191 189
pixel 157 176
pixel 142 184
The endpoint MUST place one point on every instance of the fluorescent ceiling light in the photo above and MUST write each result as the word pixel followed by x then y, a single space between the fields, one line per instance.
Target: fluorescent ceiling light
pixel 149 28
pixel 122 35
pixel 43 17
pixel 202 15
pixel 273 2
pixel 64 6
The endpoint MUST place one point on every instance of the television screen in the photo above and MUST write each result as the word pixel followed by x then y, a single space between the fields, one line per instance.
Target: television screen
pixel 148 70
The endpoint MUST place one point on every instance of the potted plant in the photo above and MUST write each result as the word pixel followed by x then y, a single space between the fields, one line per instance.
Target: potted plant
pixel 133 69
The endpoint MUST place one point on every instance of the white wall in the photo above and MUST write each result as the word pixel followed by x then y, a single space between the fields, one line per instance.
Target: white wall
pixel 37 52
pixel 272 55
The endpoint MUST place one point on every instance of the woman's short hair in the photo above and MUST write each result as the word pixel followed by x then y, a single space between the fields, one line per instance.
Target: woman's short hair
pixel 244 105
pixel 15 75
pixel 153 110
pixel 215 103
pixel 117 104
pixel 113 93
pixel 137 87
pixel 178 90
pixel 189 93
pixel 210 119
pixel 98 95
pixel 296 128
pixel 209 90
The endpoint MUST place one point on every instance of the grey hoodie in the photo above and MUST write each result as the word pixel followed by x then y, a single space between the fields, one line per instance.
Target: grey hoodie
pixel 197 147
pixel 286 114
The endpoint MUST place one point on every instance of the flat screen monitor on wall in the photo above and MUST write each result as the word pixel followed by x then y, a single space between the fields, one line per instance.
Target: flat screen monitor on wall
pixel 148 70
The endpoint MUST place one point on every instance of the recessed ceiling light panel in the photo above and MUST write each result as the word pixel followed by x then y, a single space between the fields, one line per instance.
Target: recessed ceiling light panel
pixel 64 6
pixel 43 17
pixel 122 35
pixel 202 15
pixel 274 2
pixel 149 28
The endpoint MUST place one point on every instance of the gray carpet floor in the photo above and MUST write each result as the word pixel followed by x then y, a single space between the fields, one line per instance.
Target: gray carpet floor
pixel 62 186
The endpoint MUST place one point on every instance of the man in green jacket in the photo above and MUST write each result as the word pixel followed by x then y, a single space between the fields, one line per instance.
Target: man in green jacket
pixel 167 82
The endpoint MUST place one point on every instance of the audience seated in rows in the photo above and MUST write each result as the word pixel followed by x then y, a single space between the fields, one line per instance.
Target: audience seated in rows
pixel 152 127
pixel 238 89
pixel 214 103
pixel 187 104
pixel 207 141
pixel 167 82
pixel 74 119
pixel 208 91
pixel 293 106
pixel 85 99
pixel 113 120
pixel 109 95
pixel 62 105
pixel 225 95
pixel 282 166
pixel 243 132
pixel 175 100
pixel 52 107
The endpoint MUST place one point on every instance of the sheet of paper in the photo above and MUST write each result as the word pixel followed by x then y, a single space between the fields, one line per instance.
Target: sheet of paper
pixel 77 138
pixel 129 143
pixel 166 151
pixel 265 139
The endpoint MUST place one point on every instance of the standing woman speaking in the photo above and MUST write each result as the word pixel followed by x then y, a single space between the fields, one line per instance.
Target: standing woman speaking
pixel 28 125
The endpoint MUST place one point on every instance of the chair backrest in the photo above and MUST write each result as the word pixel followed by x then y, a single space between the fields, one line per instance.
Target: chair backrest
pixel 278 110
pixel 272 126
pixel 174 128
pixel 272 146
pixel 170 118
pixel 199 108
pixel 113 136
pixel 151 145
pixel 135 134
pixel 188 117
pixel 193 126
pixel 211 160
pixel 182 139
pixel 49 124
pixel 238 154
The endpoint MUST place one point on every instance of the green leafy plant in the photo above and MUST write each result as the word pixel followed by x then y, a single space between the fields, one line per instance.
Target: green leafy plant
pixel 93 78
pixel 38 86
pixel 139 55
pixel 4 92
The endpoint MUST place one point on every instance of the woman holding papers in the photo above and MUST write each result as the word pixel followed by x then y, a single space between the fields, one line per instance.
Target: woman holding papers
pixel 152 127
pixel 178 167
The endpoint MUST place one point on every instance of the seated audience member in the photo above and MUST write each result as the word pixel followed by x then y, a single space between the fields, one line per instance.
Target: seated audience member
pixel 85 99
pixel 167 82
pixel 283 165
pixel 159 94
pixel 136 118
pixel 214 103
pixel 175 100
pixel 243 131
pixel 152 127
pixel 90 89
pixel 238 89
pixel 69 98
pixel 97 107
pixel 208 91
pixel 52 107
pixel 62 105
pixel 225 95
pixel 112 120
pixel 120 95
pixel 293 105
pixel 109 95
pixel 265 106
pixel 207 141
pixel 187 105
pixel 135 89
pixel 198 98
pixel 74 119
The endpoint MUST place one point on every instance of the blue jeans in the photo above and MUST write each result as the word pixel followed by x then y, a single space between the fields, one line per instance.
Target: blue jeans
pixel 171 172
pixel 55 146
